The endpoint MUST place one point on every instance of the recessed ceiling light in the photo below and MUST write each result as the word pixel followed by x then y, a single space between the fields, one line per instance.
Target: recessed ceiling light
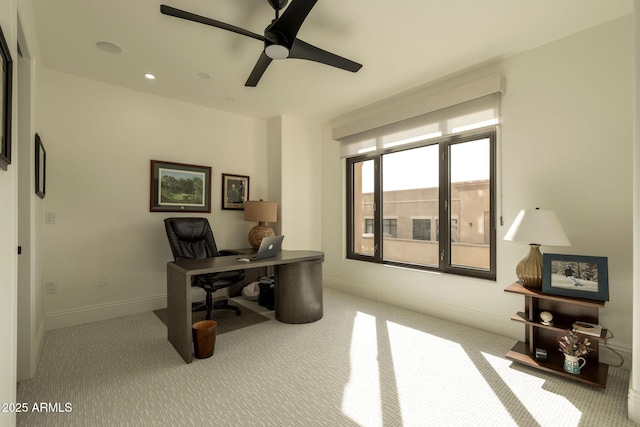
pixel 230 98
pixel 108 47
pixel 150 76
pixel 203 75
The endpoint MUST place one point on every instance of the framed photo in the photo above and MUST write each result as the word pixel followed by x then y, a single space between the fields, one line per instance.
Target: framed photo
pixel 177 187
pixel 235 191
pixel 41 168
pixel 577 276
pixel 6 75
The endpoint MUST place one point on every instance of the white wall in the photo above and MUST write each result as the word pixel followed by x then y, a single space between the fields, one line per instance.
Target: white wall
pixel 274 172
pixel 31 321
pixel 9 239
pixel 100 140
pixel 633 400
pixel 301 183
pixel 295 180
pixel 566 145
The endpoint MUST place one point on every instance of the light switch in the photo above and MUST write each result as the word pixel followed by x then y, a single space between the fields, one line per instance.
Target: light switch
pixel 102 281
pixel 50 218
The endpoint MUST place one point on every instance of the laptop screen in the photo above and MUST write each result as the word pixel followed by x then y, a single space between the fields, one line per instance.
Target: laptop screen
pixel 269 247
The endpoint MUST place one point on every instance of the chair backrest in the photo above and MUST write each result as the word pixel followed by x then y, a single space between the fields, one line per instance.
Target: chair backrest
pixel 190 238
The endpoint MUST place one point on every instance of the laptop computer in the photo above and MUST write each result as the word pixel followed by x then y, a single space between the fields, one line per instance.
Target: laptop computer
pixel 269 248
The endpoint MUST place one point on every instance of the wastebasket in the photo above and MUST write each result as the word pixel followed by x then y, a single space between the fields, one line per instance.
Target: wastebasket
pixel 204 338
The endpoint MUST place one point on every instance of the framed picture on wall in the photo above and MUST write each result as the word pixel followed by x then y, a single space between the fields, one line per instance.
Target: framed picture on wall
pixel 41 168
pixel 6 75
pixel 235 191
pixel 577 276
pixel 179 187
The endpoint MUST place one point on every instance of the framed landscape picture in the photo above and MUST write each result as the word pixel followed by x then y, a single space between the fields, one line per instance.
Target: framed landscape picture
pixel 235 191
pixel 577 276
pixel 178 187
pixel 41 168
pixel 6 74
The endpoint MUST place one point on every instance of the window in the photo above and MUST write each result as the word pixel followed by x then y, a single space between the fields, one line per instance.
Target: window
pixel 421 229
pixel 421 180
pixel 447 177
pixel 390 228
pixel 368 226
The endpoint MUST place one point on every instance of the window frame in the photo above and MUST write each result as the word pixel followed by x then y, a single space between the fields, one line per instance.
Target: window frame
pixel 445 143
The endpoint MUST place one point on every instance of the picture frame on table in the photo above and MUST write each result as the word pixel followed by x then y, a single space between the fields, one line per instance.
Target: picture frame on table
pixel 577 276
pixel 235 191
pixel 179 187
pixel 41 168
pixel 6 82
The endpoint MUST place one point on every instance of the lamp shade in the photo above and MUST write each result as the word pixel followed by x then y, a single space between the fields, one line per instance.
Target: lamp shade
pixel 260 211
pixel 537 226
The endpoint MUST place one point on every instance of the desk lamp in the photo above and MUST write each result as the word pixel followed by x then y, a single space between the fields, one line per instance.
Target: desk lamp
pixel 262 212
pixel 543 228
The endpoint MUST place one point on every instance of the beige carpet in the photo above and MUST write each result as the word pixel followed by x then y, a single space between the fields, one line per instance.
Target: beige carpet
pixel 227 319
pixel 363 364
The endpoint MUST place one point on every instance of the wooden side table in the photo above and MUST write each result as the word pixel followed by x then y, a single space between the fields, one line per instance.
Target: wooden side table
pixel 565 312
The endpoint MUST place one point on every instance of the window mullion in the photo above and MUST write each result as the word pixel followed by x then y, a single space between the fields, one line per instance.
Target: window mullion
pixel 378 212
pixel 444 211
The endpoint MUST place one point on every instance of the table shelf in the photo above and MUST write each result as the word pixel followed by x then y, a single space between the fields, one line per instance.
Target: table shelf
pixel 565 312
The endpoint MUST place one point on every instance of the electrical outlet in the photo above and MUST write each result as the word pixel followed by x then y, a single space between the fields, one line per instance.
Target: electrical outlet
pixel 102 281
pixel 50 288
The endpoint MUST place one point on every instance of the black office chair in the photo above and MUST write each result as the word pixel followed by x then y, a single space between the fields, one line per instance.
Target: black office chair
pixel 192 238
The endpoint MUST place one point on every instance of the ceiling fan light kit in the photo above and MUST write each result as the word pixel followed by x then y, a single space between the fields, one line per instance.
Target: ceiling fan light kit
pixel 280 41
pixel 276 51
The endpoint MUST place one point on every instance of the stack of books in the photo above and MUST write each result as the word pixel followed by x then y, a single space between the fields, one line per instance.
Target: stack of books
pixel 587 328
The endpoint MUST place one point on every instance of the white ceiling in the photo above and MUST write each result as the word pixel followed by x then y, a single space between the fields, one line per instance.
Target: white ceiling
pixel 402 44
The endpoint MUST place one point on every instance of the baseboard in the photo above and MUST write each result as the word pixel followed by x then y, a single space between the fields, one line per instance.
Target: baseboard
pixel 610 357
pixel 453 313
pixel 633 405
pixel 98 312
pixel 465 316
pixel 348 287
pixel 40 335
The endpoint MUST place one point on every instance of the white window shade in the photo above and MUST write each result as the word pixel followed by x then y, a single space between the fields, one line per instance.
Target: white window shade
pixel 409 136
pixel 472 106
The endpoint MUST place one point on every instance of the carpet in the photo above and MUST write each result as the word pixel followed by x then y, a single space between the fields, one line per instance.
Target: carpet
pixel 227 319
pixel 364 364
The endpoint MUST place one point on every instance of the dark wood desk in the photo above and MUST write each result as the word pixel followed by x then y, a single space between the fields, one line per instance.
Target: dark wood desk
pixel 298 290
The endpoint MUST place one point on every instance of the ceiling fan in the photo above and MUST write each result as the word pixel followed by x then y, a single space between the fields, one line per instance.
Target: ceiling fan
pixel 279 38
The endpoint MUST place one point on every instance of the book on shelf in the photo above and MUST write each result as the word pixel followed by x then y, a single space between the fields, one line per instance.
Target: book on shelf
pixel 587 328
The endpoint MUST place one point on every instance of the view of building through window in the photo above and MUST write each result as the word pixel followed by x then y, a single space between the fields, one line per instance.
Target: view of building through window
pixel 411 205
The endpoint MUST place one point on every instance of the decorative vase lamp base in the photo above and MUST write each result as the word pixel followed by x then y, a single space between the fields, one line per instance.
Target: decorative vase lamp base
pixel 529 270
pixel 258 233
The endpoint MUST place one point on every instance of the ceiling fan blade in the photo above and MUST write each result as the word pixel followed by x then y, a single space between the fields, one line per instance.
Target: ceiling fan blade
pixel 171 11
pixel 289 23
pixel 302 50
pixel 258 70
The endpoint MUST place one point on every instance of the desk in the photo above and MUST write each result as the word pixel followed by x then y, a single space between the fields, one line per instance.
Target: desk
pixel 298 290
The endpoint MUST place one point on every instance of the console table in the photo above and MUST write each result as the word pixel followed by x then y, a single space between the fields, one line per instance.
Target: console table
pixel 565 312
pixel 298 290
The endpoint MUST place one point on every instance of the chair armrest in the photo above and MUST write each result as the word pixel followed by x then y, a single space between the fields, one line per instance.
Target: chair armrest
pixel 227 252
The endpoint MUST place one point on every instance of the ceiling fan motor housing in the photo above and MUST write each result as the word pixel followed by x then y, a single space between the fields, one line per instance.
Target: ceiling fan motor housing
pixel 278 4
